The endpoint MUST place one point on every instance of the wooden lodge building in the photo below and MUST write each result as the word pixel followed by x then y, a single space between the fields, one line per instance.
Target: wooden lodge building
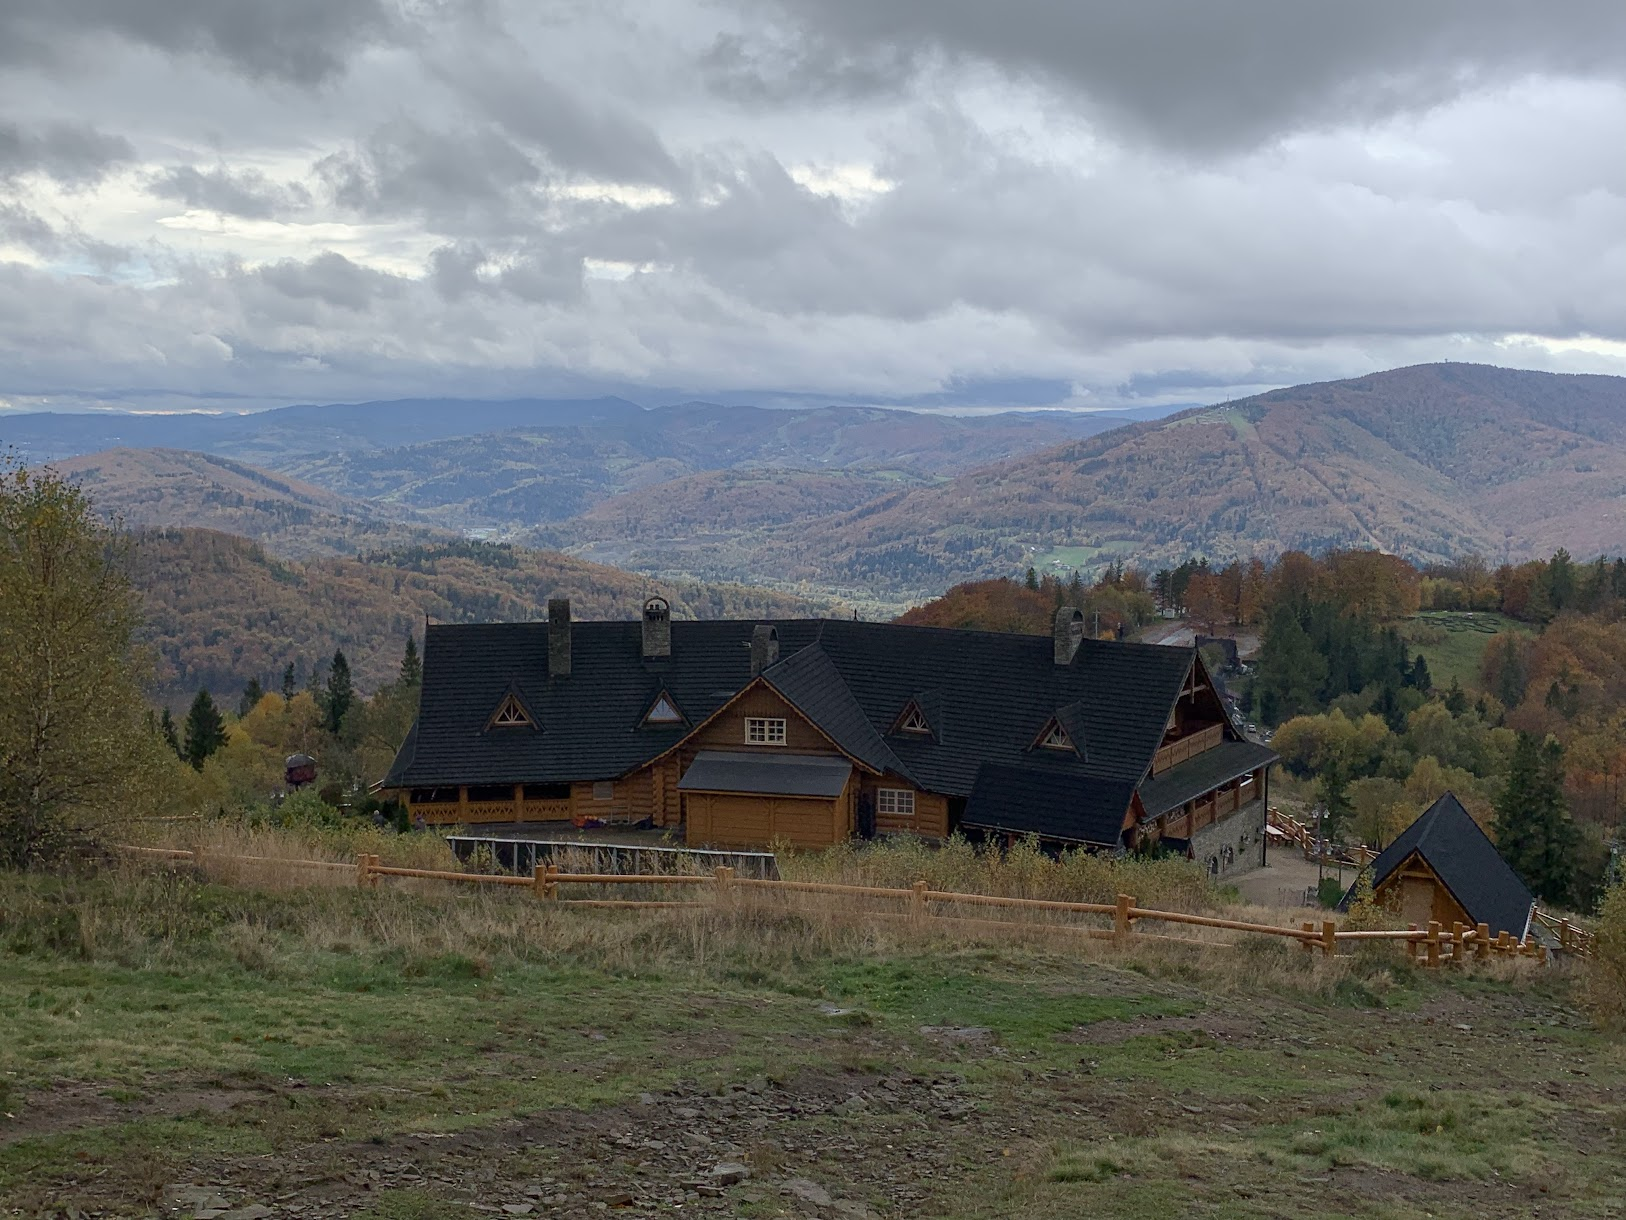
pixel 810 731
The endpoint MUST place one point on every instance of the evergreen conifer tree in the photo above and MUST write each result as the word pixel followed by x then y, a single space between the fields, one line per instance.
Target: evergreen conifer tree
pixel 252 694
pixel 205 730
pixel 1418 676
pixel 340 693
pixel 172 738
pixel 1291 671
pixel 1456 702
pixel 1533 828
pixel 290 688
pixel 412 664
pixel 1332 792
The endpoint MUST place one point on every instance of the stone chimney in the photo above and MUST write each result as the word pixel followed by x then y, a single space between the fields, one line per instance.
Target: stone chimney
pixel 764 648
pixel 657 628
pixel 558 637
pixel 1069 633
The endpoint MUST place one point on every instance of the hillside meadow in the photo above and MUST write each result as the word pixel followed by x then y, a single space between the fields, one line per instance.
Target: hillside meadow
pixel 197 1041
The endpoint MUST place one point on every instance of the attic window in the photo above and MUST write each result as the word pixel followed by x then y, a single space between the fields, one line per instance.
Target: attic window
pixel 1054 738
pixel 511 714
pixel 664 711
pixel 914 721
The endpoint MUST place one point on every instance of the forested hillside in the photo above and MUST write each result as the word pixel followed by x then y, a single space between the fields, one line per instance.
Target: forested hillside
pixel 1431 462
pixel 173 488
pixel 221 610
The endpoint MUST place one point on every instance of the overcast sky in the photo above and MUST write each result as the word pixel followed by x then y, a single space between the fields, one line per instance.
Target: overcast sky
pixel 1085 201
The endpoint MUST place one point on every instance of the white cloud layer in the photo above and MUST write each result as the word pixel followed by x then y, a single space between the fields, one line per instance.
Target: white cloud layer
pixel 1073 200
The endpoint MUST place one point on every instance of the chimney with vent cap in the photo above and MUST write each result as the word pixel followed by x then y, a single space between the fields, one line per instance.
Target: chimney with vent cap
pixel 657 628
pixel 764 648
pixel 558 637
pixel 1069 634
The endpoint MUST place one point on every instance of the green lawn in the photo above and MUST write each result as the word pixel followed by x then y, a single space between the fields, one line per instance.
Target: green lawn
pixel 391 1055
pixel 1454 642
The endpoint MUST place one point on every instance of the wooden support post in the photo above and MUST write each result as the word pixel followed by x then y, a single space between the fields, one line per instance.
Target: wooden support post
pixel 1329 938
pixel 1122 924
pixel 1433 944
pixel 543 886
pixel 1413 949
pixel 1456 943
pixel 363 869
pixel 1504 942
pixel 1482 942
pixel 1307 926
pixel 917 901
pixel 725 880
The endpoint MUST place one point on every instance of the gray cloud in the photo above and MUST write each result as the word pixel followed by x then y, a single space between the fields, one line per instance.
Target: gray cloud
pixel 72 153
pixel 303 41
pixel 246 193
pixel 1196 74
pixel 786 69
pixel 332 279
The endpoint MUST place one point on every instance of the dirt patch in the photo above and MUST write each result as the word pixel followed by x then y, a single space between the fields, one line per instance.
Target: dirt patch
pixel 74 1106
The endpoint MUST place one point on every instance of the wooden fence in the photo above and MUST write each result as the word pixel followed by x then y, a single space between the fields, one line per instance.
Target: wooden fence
pixel 1432 945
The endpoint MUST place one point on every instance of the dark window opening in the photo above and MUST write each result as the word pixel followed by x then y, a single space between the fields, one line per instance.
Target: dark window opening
pixel 547 792
pixel 491 792
pixel 434 796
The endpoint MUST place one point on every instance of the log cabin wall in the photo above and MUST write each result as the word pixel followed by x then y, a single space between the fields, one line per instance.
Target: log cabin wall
pixel 931 817
pixel 727 731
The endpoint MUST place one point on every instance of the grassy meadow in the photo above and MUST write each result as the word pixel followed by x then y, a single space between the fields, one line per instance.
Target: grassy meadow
pixel 1454 642
pixel 196 1040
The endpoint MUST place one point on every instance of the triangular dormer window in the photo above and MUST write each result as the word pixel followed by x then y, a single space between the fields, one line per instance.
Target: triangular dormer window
pixel 664 711
pixel 511 714
pixel 1053 737
pixel 913 721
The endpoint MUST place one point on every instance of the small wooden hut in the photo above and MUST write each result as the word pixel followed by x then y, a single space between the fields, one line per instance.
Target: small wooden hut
pixel 1443 868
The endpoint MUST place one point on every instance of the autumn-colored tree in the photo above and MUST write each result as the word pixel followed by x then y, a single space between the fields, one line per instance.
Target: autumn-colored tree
pixel 1205 601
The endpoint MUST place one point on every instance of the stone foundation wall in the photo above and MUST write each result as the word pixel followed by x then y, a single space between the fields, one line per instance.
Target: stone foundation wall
pixel 1233 844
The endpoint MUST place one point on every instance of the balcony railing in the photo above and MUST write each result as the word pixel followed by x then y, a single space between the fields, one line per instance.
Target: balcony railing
pixel 1177 752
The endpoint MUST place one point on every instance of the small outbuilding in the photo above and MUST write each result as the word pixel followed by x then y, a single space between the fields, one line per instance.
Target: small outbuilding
pixel 1443 868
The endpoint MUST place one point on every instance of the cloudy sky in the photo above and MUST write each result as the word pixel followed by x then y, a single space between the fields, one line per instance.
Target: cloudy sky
pixel 234 202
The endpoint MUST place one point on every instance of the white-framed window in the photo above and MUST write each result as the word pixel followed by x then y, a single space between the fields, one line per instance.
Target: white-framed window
pixel 764 731
pixel 664 712
pixel 895 802
pixel 914 721
pixel 1056 738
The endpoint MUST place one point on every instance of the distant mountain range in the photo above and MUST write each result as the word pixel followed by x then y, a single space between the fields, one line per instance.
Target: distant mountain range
pixel 883 507
pixel 1431 462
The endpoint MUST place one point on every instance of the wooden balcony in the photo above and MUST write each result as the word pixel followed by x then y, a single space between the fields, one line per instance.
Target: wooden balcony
pixel 1190 746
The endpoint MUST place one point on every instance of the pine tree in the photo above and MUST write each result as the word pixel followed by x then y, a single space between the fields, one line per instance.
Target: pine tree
pixel 412 665
pixel 252 694
pixel 1332 793
pixel 205 730
pixel 172 738
pixel 1533 829
pixel 1291 671
pixel 1456 701
pixel 290 688
pixel 340 694
pixel 1419 678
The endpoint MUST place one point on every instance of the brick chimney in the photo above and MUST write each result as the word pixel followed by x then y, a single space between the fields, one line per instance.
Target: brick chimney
pixel 1069 633
pixel 657 628
pixel 558 637
pixel 764 648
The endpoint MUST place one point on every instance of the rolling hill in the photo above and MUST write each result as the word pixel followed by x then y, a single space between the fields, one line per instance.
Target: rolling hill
pixel 1429 462
pixel 221 609
pixel 172 488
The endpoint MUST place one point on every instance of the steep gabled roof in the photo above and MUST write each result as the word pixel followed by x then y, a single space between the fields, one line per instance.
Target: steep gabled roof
pixel 1202 773
pixel 810 682
pixel 1465 860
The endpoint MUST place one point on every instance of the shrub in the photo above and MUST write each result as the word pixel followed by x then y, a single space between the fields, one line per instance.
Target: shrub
pixel 1606 972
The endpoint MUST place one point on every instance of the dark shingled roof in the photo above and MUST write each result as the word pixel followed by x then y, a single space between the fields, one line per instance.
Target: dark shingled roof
pixel 1451 843
pixel 765 773
pixel 1048 802
pixel 986 694
pixel 1202 773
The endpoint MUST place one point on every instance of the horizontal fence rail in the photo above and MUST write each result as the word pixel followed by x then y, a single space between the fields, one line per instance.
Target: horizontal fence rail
pixel 520 855
pixel 1432 946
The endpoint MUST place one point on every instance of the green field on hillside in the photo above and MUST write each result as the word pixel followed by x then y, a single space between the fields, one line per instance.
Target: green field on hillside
pixel 1454 642
pixel 176 1044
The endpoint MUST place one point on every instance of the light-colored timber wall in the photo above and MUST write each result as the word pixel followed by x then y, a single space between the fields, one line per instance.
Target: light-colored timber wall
pixel 931 809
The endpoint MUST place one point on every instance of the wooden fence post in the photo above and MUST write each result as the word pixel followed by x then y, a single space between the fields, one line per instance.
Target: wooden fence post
pixel 917 901
pixel 725 880
pixel 363 861
pixel 1413 949
pixel 1433 944
pixel 543 887
pixel 1308 928
pixel 1329 937
pixel 1456 943
pixel 1122 924
pixel 1482 941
